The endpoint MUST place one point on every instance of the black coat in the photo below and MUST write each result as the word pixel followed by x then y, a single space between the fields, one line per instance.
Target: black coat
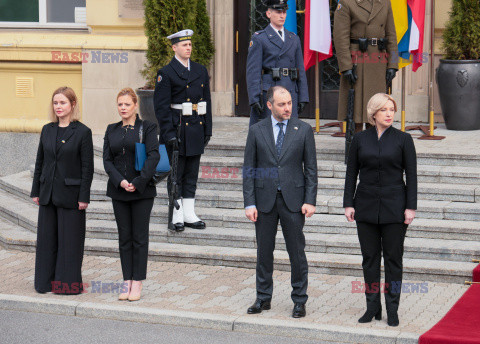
pixel 64 176
pixel 381 196
pixel 175 84
pixel 295 171
pixel 119 160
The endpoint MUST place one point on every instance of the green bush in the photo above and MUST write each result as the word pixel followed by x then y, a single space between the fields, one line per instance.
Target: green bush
pixel 165 17
pixel 461 38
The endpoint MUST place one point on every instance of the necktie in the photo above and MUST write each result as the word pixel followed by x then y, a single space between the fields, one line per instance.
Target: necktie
pixel 280 33
pixel 280 137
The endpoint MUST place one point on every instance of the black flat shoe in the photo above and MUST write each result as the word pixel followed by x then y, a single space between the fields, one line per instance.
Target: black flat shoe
pixel 196 225
pixel 176 227
pixel 299 310
pixel 369 314
pixel 392 319
pixel 259 306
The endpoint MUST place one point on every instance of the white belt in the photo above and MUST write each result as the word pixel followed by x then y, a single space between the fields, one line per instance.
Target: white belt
pixel 188 108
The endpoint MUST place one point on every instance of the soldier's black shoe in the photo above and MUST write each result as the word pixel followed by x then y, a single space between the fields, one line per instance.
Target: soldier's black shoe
pixel 299 310
pixel 196 225
pixel 176 227
pixel 259 306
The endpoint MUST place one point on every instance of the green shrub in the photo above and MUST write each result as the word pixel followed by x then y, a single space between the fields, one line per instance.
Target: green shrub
pixel 461 38
pixel 165 17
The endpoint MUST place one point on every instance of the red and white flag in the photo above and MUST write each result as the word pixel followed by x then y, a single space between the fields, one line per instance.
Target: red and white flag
pixel 318 33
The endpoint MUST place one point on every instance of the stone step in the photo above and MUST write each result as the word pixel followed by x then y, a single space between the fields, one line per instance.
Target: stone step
pixel 15 237
pixel 219 201
pixel 101 225
pixel 220 167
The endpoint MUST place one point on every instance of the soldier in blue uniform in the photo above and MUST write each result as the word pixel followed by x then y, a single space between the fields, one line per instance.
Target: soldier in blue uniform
pixel 275 58
pixel 182 98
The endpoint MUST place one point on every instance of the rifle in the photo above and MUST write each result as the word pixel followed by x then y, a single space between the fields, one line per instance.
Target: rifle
pixel 350 130
pixel 173 186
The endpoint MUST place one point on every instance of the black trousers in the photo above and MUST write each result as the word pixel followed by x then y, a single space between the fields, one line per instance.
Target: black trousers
pixel 266 231
pixel 133 219
pixel 389 238
pixel 59 253
pixel 187 174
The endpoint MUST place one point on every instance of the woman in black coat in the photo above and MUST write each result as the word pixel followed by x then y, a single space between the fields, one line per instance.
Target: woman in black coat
pixel 61 187
pixel 132 195
pixel 382 204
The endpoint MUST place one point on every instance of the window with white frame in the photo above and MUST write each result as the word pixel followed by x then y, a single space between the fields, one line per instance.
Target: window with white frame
pixel 48 13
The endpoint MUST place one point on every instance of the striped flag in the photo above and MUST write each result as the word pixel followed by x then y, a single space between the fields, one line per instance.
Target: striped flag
pixel 317 22
pixel 409 16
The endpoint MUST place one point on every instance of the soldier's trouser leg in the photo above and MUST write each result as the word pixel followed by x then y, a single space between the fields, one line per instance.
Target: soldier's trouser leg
pixel 190 176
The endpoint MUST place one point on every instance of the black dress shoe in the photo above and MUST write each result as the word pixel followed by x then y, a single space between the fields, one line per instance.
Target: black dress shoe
pixel 176 227
pixel 369 314
pixel 196 225
pixel 259 306
pixel 299 310
pixel 392 318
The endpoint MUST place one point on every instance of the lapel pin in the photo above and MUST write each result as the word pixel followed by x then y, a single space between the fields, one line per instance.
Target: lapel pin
pixel 296 128
pixel 63 141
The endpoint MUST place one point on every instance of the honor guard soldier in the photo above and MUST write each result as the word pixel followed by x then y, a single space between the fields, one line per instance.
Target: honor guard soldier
pixel 364 35
pixel 182 101
pixel 275 58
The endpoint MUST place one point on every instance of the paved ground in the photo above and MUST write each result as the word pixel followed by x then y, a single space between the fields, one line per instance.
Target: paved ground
pixel 22 327
pixel 229 291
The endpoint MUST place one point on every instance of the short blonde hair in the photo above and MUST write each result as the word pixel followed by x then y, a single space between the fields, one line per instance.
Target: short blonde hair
pixel 72 98
pixel 377 102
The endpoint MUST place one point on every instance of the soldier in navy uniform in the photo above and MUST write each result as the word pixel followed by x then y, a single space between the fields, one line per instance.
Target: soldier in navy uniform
pixel 275 58
pixel 182 98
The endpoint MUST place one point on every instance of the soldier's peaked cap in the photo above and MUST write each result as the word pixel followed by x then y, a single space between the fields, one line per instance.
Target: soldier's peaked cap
pixel 277 4
pixel 180 36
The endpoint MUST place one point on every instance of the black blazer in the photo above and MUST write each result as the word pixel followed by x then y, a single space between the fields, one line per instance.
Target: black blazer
pixel 119 160
pixel 295 171
pixel 64 176
pixel 381 196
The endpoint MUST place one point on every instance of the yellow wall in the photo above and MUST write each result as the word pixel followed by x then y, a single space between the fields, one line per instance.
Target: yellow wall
pixel 102 16
pixel 46 78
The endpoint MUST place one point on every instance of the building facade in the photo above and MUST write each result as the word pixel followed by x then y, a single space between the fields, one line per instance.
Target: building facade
pixel 98 47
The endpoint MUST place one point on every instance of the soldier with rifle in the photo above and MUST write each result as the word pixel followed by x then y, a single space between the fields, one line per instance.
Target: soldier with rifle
pixel 184 113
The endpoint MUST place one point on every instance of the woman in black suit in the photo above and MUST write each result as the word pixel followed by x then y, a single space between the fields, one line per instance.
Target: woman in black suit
pixel 130 190
pixel 382 204
pixel 61 187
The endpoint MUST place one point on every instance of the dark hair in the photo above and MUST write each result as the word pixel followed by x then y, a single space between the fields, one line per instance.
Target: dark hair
pixel 271 92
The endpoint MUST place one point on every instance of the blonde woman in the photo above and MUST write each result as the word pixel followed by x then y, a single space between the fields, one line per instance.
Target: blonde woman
pixel 61 188
pixel 130 190
pixel 382 204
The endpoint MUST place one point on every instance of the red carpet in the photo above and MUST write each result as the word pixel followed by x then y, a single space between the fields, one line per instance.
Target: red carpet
pixel 476 274
pixel 461 325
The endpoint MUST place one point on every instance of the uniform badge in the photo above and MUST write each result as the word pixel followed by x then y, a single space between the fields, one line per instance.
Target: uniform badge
pixel 251 43
pixel 159 79
pixel 339 6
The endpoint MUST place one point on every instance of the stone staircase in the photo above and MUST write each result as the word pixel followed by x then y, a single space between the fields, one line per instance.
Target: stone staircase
pixel 439 246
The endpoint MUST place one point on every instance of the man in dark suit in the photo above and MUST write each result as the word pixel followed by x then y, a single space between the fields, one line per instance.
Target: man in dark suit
pixel 182 99
pixel 280 182
pixel 275 58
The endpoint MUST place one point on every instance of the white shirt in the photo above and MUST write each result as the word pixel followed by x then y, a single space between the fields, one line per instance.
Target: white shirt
pixel 188 63
pixel 277 31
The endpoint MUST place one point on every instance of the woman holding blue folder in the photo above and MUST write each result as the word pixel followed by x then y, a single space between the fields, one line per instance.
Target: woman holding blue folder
pixel 131 191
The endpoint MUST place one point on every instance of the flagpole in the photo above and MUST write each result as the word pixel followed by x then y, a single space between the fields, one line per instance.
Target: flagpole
pixel 317 94
pixel 403 98
pixel 431 116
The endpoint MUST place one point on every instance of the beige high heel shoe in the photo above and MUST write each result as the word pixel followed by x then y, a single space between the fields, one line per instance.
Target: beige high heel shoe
pixel 124 296
pixel 136 291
